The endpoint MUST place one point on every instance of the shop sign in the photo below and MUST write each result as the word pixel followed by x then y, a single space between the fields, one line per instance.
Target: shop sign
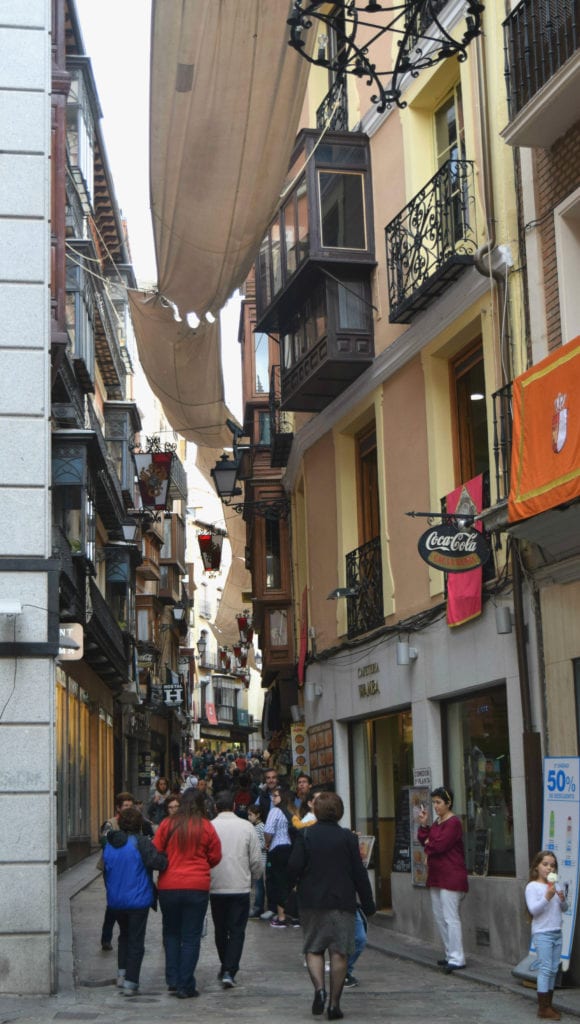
pixel 452 550
pixel 70 633
pixel 173 696
pixel 368 686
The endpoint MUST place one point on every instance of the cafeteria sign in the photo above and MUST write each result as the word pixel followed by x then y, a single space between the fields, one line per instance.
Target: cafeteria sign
pixel 453 550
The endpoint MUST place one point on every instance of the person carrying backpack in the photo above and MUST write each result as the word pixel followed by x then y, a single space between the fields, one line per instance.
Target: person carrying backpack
pixel 129 858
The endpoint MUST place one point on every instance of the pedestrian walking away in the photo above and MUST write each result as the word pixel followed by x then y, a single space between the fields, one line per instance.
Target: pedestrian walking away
pixel 326 864
pixel 129 859
pixel 546 902
pixel 446 874
pixel 231 883
pixel 122 802
pixel 193 848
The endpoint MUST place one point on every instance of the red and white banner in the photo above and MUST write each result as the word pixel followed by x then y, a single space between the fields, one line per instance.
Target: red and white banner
pixel 464 590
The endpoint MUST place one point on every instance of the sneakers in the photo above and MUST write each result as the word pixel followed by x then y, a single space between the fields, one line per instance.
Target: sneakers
pixel 255 915
pixel 129 992
pixel 227 980
pixel 106 947
pixel 350 981
pixel 266 915
pixel 277 923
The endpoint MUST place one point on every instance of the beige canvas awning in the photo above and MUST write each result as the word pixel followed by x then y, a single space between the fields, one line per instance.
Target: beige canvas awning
pixel 226 98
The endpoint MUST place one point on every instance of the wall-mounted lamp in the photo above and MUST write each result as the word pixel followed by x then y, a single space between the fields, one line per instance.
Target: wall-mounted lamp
pixel 10 606
pixel 130 530
pixel 405 653
pixel 178 611
pixel 312 691
pixel 339 592
pixel 503 618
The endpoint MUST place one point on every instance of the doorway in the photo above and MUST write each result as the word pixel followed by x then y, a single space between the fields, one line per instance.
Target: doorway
pixel 381 760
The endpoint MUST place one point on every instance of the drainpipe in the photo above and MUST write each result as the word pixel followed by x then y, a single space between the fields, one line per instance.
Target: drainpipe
pixel 482 260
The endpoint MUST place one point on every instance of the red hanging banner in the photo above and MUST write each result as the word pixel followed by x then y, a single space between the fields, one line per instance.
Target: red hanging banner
pixel 464 590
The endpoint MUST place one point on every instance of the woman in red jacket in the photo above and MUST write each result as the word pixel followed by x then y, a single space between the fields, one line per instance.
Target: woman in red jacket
pixel 193 848
pixel 446 874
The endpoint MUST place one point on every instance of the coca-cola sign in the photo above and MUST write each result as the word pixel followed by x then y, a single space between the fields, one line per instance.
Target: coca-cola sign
pixel 453 550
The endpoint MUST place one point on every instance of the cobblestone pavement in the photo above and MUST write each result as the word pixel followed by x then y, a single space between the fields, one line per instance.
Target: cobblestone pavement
pixel 398 983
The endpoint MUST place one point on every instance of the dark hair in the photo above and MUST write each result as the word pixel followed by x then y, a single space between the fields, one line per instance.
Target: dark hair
pixel 328 807
pixel 186 823
pixel 130 820
pixel 533 877
pixel 162 778
pixel 286 800
pixel 303 775
pixel 305 807
pixel 224 800
pixel 444 794
pixel 255 810
pixel 173 798
pixel 121 797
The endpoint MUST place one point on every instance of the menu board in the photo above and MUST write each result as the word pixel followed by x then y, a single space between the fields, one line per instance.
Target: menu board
pixel 321 746
pixel 482 844
pixel 402 847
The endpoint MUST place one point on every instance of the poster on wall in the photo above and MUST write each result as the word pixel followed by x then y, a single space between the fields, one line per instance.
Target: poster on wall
pixel 300 754
pixel 560 833
pixel 321 747
pixel 419 800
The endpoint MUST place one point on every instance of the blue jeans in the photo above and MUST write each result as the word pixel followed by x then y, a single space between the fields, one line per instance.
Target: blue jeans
pixel 259 895
pixel 183 914
pixel 360 941
pixel 548 946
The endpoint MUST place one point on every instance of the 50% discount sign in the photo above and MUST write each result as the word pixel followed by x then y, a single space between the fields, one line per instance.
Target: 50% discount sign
pixel 561 781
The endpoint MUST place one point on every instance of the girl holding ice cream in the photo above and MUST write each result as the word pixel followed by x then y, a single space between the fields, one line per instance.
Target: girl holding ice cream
pixel 546 903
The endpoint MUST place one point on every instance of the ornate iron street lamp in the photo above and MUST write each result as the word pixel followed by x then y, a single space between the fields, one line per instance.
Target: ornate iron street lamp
pixel 424 39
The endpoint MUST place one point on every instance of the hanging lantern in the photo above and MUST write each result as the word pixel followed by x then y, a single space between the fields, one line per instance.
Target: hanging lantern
pixel 210 546
pixel 244 621
pixel 243 657
pixel 247 680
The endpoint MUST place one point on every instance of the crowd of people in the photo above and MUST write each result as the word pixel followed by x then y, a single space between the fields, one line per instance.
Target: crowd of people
pixel 247 847
pixel 251 848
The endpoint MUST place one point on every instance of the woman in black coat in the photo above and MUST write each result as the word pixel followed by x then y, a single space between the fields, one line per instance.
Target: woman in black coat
pixel 326 863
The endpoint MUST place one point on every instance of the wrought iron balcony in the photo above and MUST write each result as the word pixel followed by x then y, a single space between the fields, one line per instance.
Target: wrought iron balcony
pixel 431 240
pixel 502 440
pixel 364 574
pixel 281 426
pixel 332 113
pixel 106 649
pixel 540 36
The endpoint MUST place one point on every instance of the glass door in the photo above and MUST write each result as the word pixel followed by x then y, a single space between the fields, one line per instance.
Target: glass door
pixel 381 765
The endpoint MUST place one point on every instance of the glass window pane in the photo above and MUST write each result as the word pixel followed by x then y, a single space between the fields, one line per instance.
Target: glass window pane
pixel 342 211
pixel 261 362
pixel 303 232
pixel 264 285
pixel 276 258
pixel 479 772
pixel 353 309
pixel 273 562
pixel 289 229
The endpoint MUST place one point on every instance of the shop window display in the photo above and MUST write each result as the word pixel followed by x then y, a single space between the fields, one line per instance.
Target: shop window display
pixel 479 773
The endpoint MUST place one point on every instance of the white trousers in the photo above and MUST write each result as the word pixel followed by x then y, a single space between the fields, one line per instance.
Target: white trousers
pixel 445 904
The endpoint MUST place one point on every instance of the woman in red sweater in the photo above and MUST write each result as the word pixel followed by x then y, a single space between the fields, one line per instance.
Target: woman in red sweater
pixel 446 874
pixel 193 848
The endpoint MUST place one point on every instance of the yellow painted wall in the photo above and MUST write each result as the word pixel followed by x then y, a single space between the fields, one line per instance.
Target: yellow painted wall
pixel 560 604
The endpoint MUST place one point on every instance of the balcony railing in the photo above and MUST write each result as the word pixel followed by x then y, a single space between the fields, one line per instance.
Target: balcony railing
pixel 364 573
pixel 281 427
pixel 334 106
pixel 431 240
pixel 540 36
pixel 502 440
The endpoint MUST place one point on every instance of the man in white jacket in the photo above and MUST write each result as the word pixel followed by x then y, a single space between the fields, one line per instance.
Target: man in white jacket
pixel 231 883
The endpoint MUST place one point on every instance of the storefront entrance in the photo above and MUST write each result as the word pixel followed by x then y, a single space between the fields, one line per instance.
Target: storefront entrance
pixel 381 760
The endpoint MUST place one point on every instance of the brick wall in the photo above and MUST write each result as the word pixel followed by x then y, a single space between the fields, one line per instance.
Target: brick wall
pixel 557 175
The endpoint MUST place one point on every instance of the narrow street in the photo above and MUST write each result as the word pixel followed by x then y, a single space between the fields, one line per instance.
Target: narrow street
pixel 273 984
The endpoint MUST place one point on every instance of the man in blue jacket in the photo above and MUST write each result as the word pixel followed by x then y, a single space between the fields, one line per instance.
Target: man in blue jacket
pixel 129 858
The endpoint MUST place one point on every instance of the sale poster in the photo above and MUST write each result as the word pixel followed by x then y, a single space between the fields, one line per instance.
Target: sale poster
pixel 560 835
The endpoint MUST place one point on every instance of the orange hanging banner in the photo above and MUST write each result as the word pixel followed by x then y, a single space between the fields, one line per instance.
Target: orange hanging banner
pixel 545 463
